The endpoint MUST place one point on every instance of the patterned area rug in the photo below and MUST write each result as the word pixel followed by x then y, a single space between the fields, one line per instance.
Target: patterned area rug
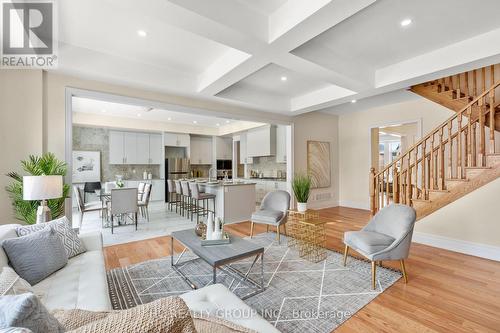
pixel 300 296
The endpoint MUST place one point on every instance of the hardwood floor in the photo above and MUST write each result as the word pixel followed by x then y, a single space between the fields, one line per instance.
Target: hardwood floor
pixel 446 291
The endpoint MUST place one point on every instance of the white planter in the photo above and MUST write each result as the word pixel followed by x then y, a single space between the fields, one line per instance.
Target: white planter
pixel 301 206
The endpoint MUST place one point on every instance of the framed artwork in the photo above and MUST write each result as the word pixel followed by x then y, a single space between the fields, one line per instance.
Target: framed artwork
pixel 86 166
pixel 319 163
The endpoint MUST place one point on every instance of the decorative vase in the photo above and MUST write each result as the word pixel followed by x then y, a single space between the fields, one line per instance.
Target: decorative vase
pixel 301 206
pixel 200 229
pixel 210 226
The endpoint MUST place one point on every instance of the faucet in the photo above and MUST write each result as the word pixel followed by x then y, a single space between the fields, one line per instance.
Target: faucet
pixel 210 173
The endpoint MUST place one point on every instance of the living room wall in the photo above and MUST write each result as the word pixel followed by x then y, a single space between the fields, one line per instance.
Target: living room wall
pixel 21 127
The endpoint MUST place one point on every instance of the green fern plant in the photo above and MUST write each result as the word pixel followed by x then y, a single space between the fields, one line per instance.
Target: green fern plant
pixel 47 165
pixel 301 186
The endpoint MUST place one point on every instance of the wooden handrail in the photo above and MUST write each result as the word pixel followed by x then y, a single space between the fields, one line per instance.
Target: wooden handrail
pixel 436 130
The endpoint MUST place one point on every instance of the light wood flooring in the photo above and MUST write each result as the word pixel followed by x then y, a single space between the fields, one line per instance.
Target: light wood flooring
pixel 446 291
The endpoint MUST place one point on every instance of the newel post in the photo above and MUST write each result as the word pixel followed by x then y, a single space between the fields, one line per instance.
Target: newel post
pixel 373 207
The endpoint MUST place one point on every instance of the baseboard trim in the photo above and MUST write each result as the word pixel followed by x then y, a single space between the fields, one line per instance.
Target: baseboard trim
pixel 354 204
pixel 474 249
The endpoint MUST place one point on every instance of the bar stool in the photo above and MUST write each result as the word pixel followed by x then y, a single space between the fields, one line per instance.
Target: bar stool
pixel 178 197
pixel 171 195
pixel 186 198
pixel 198 196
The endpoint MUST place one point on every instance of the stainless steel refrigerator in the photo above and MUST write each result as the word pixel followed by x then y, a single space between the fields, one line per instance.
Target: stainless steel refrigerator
pixel 176 168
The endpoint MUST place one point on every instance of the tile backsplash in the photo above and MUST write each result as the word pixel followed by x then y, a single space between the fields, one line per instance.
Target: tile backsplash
pixel 97 139
pixel 267 165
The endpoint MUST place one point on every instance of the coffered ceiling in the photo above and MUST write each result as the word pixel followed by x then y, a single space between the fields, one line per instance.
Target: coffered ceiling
pixel 329 52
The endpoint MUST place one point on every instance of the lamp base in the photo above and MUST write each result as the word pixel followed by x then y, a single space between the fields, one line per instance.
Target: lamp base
pixel 43 213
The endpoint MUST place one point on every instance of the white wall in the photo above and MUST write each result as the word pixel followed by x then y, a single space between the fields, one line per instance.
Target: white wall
pixel 354 145
pixel 21 122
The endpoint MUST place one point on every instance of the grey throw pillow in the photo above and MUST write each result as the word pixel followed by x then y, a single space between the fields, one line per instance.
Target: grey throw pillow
pixel 73 245
pixel 27 311
pixel 36 256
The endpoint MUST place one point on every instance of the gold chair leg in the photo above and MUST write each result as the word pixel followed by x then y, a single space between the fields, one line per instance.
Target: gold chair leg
pixel 403 270
pixel 251 229
pixel 346 251
pixel 279 233
pixel 284 229
pixel 374 273
pixel 380 263
pixel 267 227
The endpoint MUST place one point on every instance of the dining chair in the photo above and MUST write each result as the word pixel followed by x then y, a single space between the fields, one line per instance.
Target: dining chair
pixel 273 211
pixel 123 204
pixel 90 187
pixel 144 202
pixel 386 237
pixel 85 207
pixel 140 190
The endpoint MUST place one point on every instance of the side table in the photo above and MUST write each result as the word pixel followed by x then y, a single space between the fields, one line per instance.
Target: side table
pixel 308 236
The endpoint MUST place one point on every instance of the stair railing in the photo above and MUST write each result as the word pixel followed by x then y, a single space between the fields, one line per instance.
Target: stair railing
pixel 470 83
pixel 458 143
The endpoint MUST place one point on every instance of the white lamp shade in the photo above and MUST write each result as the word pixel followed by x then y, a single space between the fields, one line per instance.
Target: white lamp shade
pixel 42 187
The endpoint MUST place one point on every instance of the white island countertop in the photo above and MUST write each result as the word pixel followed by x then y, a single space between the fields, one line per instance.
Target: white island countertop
pixel 223 183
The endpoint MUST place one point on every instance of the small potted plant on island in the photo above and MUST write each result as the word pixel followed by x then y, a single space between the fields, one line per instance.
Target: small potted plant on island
pixel 301 185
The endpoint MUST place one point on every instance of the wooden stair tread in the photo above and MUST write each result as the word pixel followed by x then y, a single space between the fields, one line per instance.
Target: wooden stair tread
pixel 457 179
pixel 477 167
pixel 421 200
pixel 439 191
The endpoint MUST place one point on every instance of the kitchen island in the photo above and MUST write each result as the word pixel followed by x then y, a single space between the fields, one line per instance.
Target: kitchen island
pixel 234 202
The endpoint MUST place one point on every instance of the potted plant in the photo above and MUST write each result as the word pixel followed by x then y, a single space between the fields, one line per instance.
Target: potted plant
pixel 301 185
pixel 47 165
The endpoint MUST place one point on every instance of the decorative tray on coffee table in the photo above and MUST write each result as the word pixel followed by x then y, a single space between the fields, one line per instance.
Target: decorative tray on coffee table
pixel 225 240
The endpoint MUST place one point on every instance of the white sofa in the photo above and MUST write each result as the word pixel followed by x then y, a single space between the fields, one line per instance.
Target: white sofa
pixel 82 284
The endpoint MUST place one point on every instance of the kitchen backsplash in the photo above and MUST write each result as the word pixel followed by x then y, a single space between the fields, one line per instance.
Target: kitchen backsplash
pixel 97 139
pixel 267 165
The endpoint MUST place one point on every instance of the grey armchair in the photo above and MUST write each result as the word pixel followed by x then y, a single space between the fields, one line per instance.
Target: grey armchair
pixel 273 211
pixel 386 237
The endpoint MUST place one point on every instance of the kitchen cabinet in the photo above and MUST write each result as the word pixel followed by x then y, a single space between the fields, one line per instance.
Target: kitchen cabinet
pixel 134 148
pixel 223 148
pixel 244 159
pixel 155 149
pixel 201 150
pixel 263 187
pixel 176 140
pixel 261 141
pixel 116 148
pixel 281 144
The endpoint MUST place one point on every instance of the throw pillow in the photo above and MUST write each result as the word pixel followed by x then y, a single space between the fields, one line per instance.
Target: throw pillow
pixel 169 314
pixel 15 330
pixel 27 311
pixel 36 256
pixel 68 236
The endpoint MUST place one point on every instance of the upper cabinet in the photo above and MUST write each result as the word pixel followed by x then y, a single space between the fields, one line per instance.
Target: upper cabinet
pixel 261 141
pixel 281 144
pixel 134 148
pixel 223 148
pixel 201 150
pixel 176 140
pixel 244 159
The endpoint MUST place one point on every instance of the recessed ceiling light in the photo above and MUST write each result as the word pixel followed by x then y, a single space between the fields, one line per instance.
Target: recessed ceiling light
pixel 195 122
pixel 227 121
pixel 406 22
pixel 217 124
pixel 142 33
pixel 169 118
pixel 284 78
pixel 353 101
pixel 138 115
pixel 103 110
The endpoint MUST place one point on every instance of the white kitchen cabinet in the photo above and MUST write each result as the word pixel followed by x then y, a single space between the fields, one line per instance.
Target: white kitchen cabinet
pixel 134 148
pixel 176 140
pixel 142 148
pixel 155 149
pixel 244 159
pixel 223 148
pixel 116 148
pixel 201 150
pixel 261 141
pixel 281 144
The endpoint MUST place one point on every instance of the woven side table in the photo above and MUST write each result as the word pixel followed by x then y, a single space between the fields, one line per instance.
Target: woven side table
pixel 308 236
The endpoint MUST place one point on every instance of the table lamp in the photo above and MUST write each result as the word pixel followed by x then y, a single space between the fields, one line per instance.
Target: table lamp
pixel 42 188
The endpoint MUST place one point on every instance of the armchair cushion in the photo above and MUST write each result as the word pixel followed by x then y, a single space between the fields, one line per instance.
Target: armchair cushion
pixel 367 241
pixel 267 216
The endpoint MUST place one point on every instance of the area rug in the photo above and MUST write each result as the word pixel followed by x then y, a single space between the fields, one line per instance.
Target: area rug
pixel 300 296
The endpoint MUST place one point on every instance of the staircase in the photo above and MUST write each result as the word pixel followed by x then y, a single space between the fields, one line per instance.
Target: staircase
pixel 457 157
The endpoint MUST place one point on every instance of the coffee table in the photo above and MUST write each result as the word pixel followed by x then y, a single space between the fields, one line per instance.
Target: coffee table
pixel 219 257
